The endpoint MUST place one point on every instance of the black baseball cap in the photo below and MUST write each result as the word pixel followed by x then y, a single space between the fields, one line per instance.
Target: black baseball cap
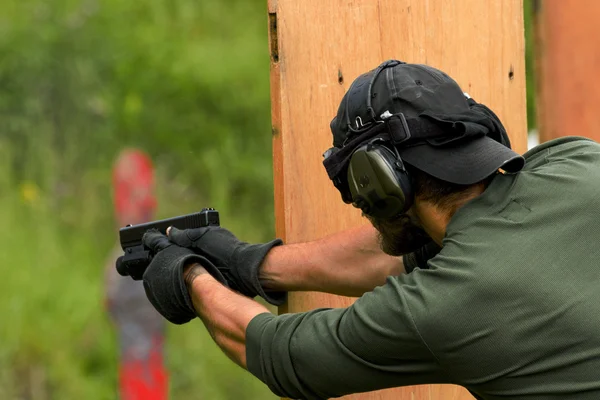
pixel 445 133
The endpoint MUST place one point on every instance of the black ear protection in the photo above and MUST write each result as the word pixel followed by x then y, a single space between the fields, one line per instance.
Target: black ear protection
pixel 378 181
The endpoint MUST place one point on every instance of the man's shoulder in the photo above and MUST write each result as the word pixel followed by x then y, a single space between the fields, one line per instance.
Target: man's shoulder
pixel 557 148
pixel 465 277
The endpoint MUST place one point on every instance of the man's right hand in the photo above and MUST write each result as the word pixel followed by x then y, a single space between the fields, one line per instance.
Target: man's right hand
pixel 238 261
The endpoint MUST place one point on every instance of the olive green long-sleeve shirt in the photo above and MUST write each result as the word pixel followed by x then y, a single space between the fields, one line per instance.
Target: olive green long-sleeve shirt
pixel 509 308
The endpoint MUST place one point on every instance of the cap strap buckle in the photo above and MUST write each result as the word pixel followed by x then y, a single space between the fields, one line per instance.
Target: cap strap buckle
pixel 398 129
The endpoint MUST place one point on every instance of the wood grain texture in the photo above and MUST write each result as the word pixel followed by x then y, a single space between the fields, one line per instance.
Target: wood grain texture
pixel 322 46
pixel 568 58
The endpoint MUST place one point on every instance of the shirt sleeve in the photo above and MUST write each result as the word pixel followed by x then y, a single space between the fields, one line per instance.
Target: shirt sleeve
pixel 373 344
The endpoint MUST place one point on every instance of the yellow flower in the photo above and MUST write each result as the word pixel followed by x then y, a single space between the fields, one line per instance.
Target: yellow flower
pixel 30 192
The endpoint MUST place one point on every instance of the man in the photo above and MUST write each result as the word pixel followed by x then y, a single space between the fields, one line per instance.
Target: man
pixel 497 289
pixel 140 328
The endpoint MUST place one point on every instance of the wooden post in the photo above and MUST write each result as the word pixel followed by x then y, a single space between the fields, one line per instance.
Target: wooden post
pixel 568 58
pixel 319 47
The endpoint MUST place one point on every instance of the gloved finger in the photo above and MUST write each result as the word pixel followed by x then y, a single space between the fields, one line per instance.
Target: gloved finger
pixel 185 237
pixel 155 241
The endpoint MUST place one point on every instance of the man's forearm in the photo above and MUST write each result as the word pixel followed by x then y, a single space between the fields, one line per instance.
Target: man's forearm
pixel 348 263
pixel 226 314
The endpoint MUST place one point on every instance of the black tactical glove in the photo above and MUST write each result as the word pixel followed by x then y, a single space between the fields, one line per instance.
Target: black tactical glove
pixel 164 281
pixel 238 261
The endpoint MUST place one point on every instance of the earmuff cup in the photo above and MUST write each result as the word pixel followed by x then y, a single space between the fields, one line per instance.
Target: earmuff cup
pixel 378 181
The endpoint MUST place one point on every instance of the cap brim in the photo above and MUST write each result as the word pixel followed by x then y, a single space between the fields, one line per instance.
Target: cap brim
pixel 465 164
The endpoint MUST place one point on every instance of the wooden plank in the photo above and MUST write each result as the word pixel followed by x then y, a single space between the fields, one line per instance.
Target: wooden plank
pixel 568 58
pixel 319 47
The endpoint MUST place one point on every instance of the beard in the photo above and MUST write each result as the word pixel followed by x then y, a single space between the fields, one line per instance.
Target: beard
pixel 399 235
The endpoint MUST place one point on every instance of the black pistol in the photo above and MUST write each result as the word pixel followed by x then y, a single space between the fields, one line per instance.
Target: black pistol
pixel 137 257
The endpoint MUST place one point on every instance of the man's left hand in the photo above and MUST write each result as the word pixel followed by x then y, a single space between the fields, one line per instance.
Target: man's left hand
pixel 164 280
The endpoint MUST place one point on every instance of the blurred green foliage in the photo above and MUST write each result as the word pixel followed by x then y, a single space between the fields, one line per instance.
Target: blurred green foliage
pixel 188 82
pixel 82 79
pixel 528 13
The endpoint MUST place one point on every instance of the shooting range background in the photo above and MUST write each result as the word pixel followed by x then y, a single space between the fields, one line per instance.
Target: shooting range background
pixel 79 81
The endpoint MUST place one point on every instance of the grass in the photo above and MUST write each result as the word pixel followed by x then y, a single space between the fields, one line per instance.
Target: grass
pixel 56 339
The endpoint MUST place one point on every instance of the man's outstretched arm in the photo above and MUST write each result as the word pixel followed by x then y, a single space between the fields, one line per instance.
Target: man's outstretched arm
pixel 319 354
pixel 347 263
pixel 225 313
